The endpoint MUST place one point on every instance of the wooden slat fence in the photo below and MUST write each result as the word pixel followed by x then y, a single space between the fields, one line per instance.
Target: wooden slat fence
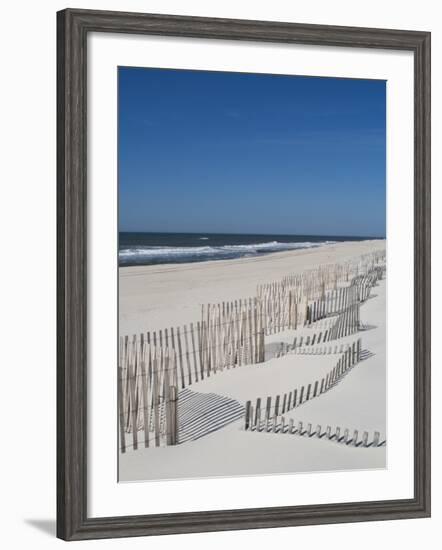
pixel 346 324
pixel 333 303
pixel 311 284
pixel 155 366
pixel 258 414
pixel 281 308
pixel 337 301
pixel 147 392
pixel 285 307
pixel 222 340
pixel 232 334
pixel 344 436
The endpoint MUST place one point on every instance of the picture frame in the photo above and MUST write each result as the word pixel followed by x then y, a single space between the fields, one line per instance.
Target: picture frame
pixel 73 28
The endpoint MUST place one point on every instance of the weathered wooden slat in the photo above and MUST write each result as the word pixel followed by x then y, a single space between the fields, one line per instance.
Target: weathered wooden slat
pixel 133 407
pixel 121 410
pixel 145 396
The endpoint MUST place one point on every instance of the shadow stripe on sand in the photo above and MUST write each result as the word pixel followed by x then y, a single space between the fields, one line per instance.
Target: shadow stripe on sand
pixel 200 414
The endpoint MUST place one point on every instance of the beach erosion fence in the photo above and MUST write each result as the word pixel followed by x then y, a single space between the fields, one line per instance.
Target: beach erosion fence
pixel 260 416
pixel 305 299
pixel 147 394
pixel 155 366
pixel 338 435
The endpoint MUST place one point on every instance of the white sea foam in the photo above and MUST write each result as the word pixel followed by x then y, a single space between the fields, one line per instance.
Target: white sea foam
pixel 196 253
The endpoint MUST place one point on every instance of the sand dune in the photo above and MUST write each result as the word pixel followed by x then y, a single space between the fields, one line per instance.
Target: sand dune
pixel 154 297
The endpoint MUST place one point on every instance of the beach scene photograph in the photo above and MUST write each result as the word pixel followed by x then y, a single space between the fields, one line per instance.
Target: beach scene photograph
pixel 252 274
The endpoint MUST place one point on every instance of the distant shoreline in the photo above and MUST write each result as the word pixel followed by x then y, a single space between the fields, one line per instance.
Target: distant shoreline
pixel 147 249
pixel 151 296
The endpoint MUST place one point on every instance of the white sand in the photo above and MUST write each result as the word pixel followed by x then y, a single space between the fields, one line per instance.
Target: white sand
pixel 150 297
pixel 160 296
pixel 232 451
pixel 358 401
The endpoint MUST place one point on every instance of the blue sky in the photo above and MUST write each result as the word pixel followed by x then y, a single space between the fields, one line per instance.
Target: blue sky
pixel 246 153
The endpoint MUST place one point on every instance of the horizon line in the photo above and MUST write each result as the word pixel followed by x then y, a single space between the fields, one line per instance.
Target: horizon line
pixel 252 233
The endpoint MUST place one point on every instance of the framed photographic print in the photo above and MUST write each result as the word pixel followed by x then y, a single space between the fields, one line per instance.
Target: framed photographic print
pixel 243 274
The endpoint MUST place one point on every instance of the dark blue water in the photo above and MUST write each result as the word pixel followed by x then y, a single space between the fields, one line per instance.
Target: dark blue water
pixel 176 248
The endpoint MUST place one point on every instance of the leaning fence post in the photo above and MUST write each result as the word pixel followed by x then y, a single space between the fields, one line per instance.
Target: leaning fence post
pixel 260 423
pixel 121 411
pixel 290 310
pixel 355 438
pixel 144 387
pixel 376 437
pixel 132 366
pixel 277 405
pixel 268 406
pixel 248 407
pixel 258 411
pixel 155 394
pixel 365 439
pixel 173 415
pixel 167 400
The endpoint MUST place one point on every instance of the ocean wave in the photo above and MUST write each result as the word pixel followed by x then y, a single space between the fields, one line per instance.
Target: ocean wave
pixel 275 246
pixel 167 251
pixel 199 253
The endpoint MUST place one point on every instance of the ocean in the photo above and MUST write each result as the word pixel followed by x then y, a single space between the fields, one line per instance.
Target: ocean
pixel 176 248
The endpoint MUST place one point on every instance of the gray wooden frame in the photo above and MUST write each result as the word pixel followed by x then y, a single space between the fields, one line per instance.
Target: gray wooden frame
pixel 73 27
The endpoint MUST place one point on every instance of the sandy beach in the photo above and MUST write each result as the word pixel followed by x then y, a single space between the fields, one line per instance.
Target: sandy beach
pixel 156 297
pixel 159 296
